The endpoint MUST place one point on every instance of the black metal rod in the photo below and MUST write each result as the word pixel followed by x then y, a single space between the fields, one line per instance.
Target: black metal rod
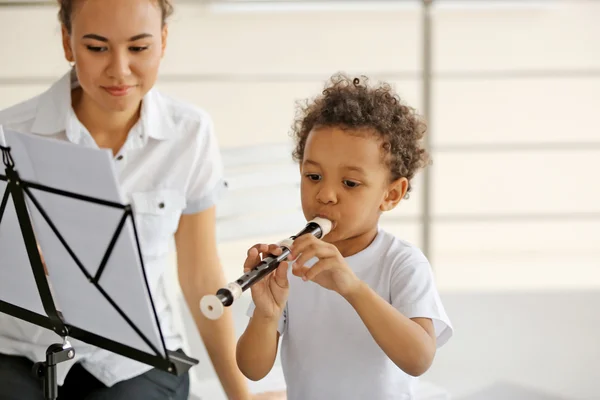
pixel 155 360
pixel 109 250
pixel 35 260
pixel 4 202
pixel 7 159
pixel 77 196
pixel 129 212
pixel 127 319
pixel 26 315
pixel 50 382
pixel 57 233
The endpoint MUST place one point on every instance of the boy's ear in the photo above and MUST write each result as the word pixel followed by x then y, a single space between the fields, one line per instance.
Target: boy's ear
pixel 394 193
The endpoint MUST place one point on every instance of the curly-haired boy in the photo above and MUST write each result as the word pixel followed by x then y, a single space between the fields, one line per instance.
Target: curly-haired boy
pixel 358 312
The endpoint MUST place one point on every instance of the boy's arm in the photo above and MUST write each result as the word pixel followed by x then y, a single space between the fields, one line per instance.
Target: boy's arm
pixel 257 347
pixel 409 343
pixel 200 273
pixel 404 329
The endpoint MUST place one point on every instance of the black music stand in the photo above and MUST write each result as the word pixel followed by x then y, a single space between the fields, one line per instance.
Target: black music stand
pixel 25 209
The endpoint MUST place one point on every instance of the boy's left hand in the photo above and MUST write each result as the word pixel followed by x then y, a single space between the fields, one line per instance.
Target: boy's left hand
pixel 331 271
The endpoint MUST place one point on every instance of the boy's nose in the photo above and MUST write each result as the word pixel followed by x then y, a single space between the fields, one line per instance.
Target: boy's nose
pixel 326 195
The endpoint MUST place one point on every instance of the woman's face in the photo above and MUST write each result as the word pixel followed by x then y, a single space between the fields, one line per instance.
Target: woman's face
pixel 117 46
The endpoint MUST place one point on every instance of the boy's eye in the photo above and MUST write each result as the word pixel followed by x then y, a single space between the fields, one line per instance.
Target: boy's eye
pixel 351 184
pixel 313 177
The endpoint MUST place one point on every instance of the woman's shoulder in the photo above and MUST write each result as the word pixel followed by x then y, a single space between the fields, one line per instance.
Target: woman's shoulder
pixel 20 116
pixel 183 112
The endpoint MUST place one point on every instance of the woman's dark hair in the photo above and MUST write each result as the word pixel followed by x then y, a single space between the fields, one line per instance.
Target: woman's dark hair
pixel 66 11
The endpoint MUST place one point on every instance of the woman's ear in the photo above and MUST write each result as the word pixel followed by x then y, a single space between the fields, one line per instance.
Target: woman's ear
pixel 394 193
pixel 66 42
pixel 164 36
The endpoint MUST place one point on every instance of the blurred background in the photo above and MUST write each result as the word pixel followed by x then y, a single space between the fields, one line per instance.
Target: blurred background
pixel 509 212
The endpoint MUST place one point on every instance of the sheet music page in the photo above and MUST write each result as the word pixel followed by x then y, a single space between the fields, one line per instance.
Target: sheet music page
pixel 17 284
pixel 87 228
pixel 65 166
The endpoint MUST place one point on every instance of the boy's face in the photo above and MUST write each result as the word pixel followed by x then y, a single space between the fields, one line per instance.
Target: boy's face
pixel 345 179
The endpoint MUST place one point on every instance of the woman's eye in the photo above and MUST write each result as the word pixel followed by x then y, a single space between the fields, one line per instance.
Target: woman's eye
pixel 135 49
pixel 96 49
pixel 351 184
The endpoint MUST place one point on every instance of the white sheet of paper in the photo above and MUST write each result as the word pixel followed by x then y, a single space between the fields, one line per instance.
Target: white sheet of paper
pixel 13 256
pixel 87 228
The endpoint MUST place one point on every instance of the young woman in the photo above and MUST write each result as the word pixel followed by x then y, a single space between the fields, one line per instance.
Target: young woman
pixel 170 169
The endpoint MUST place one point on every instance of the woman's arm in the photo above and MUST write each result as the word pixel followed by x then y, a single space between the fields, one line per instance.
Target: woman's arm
pixel 200 273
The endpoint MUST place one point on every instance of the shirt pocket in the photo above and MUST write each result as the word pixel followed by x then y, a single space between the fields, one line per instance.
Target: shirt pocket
pixel 157 214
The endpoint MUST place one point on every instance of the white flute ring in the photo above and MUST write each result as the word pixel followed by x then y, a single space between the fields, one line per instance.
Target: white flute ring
pixel 211 307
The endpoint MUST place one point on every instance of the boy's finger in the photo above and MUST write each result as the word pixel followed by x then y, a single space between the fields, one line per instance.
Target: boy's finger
pixel 251 260
pixel 311 273
pixel 301 243
pixel 263 248
pixel 281 275
pixel 275 249
pixel 255 247
pixel 300 271
pixel 306 255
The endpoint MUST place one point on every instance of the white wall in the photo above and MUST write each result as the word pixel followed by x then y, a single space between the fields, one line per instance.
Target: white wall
pixel 504 75
pixel 507 75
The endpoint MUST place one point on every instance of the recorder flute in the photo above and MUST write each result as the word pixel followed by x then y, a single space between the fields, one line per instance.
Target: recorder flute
pixel 212 306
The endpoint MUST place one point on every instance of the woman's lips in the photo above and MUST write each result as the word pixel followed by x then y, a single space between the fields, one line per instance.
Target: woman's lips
pixel 118 91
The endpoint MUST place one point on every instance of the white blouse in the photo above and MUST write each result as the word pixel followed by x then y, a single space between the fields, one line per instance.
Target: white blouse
pixel 169 165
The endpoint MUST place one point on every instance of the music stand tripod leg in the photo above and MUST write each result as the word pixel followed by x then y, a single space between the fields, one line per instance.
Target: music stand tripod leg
pixel 46 370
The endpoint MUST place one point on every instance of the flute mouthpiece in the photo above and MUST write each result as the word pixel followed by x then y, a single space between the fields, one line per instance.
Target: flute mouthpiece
pixel 325 225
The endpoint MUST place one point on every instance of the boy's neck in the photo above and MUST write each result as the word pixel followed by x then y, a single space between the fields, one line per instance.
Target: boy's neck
pixel 351 246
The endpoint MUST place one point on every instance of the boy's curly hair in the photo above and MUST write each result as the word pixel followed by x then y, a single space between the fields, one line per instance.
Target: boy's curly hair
pixel 355 105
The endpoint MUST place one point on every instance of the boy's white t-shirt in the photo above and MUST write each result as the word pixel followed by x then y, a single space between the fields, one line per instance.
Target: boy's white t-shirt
pixel 327 353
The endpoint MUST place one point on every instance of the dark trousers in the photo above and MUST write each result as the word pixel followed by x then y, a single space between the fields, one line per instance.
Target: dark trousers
pixel 18 383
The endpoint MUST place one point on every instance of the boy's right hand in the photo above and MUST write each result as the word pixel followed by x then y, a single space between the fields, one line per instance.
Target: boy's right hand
pixel 270 293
